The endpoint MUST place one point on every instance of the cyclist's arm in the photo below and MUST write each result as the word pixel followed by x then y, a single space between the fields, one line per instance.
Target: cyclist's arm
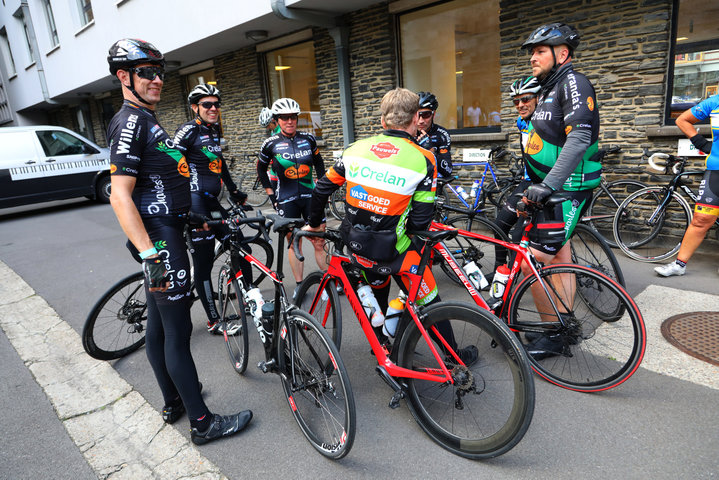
pixel 317 160
pixel 326 186
pixel 422 203
pixel 263 161
pixel 126 212
pixel 227 178
pixel 443 154
pixel 686 122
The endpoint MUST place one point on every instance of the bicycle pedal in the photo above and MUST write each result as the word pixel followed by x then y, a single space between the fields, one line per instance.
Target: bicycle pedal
pixel 267 366
pixel 394 401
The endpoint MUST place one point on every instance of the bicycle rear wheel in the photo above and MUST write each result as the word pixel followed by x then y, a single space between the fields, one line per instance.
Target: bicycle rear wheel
pixel 232 308
pixel 606 201
pixel 645 231
pixel 116 324
pixel 588 352
pixel 337 202
pixel 590 249
pixel 488 407
pixel 256 194
pixel 316 384
pixel 327 311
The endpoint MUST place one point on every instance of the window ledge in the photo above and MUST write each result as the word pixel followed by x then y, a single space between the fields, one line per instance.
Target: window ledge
pixel 673 131
pixel 53 49
pixel 12 77
pixel 85 27
pixel 120 3
pixel 479 137
pixel 30 66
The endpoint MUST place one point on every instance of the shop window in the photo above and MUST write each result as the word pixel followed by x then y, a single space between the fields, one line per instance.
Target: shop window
pixel 291 73
pixel 694 72
pixel 452 50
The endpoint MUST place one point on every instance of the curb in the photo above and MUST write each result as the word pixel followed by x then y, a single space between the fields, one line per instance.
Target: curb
pixel 115 428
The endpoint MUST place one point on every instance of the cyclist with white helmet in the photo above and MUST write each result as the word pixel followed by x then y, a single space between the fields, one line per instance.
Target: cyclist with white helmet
pixel 268 121
pixel 432 136
pixel 199 141
pixel 294 156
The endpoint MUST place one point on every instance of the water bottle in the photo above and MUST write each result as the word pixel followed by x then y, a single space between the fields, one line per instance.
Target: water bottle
pixel 255 301
pixel 394 313
pixel 268 315
pixel 475 188
pixel 500 281
pixel 475 275
pixel 369 302
pixel 462 193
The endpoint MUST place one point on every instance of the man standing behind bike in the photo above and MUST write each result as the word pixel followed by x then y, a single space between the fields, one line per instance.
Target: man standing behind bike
pixel 391 184
pixel 563 137
pixel 433 137
pixel 151 198
pixel 294 156
pixel 706 209
pixel 199 141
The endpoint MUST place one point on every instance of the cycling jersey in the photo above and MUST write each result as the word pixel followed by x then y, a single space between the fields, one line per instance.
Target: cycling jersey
pixel 391 185
pixel 438 138
pixel 564 132
pixel 293 160
pixel 141 148
pixel 709 108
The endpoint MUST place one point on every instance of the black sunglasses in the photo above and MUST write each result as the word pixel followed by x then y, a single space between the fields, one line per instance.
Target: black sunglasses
pixel 209 105
pixel 149 73
pixel 425 114
pixel 284 118
pixel 524 99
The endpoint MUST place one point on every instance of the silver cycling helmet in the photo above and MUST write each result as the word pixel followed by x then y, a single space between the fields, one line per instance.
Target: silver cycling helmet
pixel 284 106
pixel 265 116
pixel 201 91
pixel 527 85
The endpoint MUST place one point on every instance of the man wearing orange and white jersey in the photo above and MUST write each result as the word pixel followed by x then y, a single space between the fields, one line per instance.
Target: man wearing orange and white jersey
pixel 391 183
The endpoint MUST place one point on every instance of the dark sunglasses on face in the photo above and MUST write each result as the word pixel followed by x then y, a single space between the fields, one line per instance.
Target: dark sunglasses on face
pixel 524 99
pixel 284 118
pixel 149 73
pixel 209 105
pixel 425 114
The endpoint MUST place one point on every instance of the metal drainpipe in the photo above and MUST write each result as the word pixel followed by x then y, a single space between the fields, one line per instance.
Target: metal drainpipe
pixel 340 34
pixel 36 52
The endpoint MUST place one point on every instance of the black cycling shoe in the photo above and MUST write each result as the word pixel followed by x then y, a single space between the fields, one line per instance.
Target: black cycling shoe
pixel 469 356
pixel 221 426
pixel 171 414
pixel 545 346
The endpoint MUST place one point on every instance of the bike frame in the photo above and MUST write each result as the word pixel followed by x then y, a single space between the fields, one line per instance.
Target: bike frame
pixel 675 184
pixel 477 198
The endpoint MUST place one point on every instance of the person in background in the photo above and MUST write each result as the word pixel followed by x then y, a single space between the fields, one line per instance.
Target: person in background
pixel 268 121
pixel 432 136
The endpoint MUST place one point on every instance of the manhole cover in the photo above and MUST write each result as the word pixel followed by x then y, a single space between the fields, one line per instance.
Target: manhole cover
pixel 694 333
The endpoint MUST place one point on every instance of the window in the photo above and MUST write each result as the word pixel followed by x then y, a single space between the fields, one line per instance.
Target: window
pixel 28 45
pixel 291 73
pixel 7 53
pixel 85 9
pixel 59 143
pixel 695 67
pixel 452 50
pixel 51 28
pixel 81 121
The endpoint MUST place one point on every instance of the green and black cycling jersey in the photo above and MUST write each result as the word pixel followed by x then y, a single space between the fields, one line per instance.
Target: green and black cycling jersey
pixel 141 148
pixel 293 159
pixel 564 134
pixel 438 138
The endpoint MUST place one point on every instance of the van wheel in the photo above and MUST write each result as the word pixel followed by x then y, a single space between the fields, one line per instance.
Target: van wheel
pixel 102 190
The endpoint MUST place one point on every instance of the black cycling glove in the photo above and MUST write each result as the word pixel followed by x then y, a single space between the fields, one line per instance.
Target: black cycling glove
pixel 195 219
pixel 273 200
pixel 538 192
pixel 701 143
pixel 238 197
pixel 155 271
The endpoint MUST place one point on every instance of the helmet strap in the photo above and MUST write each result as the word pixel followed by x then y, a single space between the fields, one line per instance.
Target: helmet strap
pixel 134 92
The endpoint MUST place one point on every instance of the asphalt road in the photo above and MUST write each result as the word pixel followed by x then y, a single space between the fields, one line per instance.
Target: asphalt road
pixel 653 426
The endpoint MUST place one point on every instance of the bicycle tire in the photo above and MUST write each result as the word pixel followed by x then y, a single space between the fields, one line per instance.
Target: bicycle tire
pixel 487 256
pixel 328 311
pixel 256 194
pixel 593 353
pixel 316 384
pixel 337 202
pixel 233 310
pixel 605 202
pixel 116 325
pixel 489 422
pixel 651 243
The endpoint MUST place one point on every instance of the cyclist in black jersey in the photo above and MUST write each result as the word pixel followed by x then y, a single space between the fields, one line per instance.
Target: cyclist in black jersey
pixel 433 137
pixel 269 122
pixel 294 157
pixel 199 141
pixel 151 198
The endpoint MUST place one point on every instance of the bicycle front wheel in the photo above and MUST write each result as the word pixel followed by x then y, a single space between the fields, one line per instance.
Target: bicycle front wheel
pixel 607 199
pixel 583 350
pixel 647 231
pixel 337 202
pixel 316 384
pixel 327 310
pixel 488 407
pixel 116 324
pixel 233 318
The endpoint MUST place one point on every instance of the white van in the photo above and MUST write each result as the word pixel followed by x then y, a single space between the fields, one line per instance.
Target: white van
pixel 40 163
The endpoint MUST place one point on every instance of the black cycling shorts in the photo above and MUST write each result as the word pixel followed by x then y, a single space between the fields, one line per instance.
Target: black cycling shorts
pixel 555 225
pixel 708 201
pixel 298 208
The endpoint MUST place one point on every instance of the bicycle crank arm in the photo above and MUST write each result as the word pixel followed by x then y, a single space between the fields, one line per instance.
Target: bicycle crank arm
pixel 389 380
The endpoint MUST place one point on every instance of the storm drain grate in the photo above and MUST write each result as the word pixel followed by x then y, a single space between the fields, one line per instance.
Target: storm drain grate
pixel 694 333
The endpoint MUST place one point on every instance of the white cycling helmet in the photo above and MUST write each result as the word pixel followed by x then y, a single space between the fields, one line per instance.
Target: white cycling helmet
pixel 527 85
pixel 284 106
pixel 201 91
pixel 265 116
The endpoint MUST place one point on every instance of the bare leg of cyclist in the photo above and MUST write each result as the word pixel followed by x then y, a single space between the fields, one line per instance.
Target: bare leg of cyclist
pixel 563 284
pixel 296 266
pixel 320 255
pixel 694 236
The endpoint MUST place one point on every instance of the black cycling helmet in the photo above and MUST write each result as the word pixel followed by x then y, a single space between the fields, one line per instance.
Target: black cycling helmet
pixel 201 91
pixel 553 34
pixel 128 52
pixel 427 100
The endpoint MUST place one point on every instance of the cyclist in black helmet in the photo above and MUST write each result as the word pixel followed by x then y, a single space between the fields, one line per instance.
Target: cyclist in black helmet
pixel 199 141
pixel 433 137
pixel 562 141
pixel 151 198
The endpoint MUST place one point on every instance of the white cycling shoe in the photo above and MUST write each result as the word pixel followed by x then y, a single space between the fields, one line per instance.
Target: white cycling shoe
pixel 670 269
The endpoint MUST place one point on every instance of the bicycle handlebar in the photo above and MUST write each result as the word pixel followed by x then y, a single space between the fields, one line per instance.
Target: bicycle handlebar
pixel 666 162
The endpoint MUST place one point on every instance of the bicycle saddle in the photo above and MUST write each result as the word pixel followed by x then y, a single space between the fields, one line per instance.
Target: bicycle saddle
pixel 434 237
